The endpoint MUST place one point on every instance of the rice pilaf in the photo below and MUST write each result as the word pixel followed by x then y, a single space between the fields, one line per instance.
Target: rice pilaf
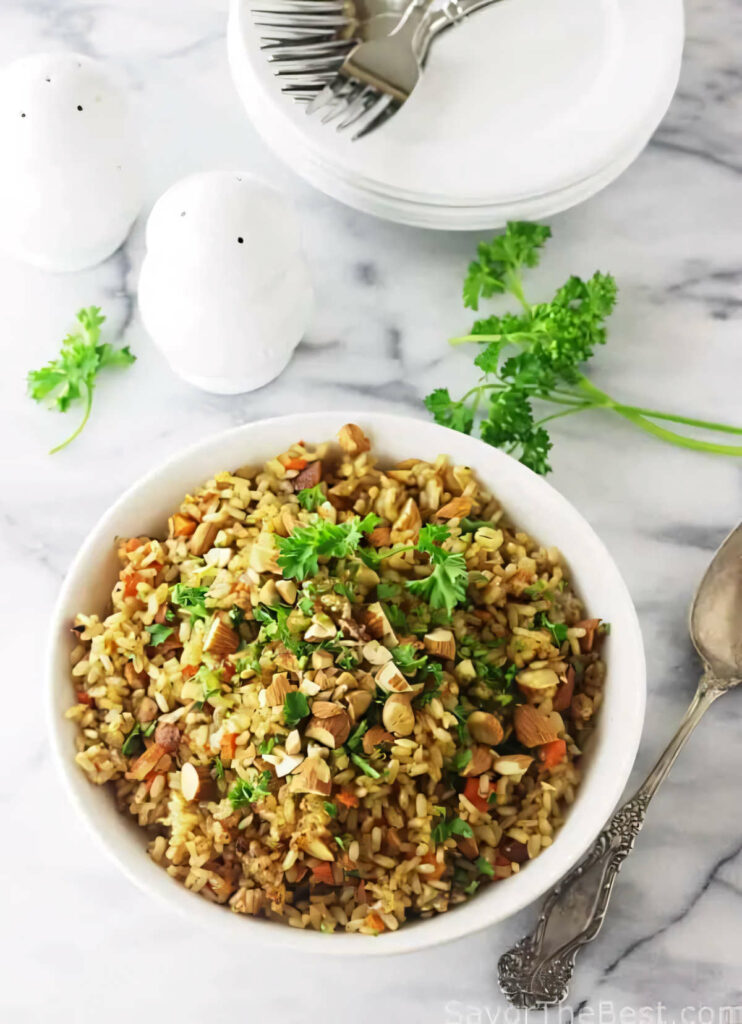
pixel 337 695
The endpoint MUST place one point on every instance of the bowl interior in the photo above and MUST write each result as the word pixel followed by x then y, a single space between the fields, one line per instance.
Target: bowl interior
pixel 530 502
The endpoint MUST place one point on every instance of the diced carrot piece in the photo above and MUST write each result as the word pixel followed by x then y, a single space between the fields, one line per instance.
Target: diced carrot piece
pixel 228 670
pixel 472 794
pixel 322 872
pixel 374 921
pixel 227 746
pixel 293 462
pixel 346 798
pixel 131 583
pixel 133 543
pixel 183 526
pixel 550 754
pixel 430 858
pixel 84 698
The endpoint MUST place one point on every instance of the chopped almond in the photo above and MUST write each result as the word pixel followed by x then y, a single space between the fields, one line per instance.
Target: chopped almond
pixel 135 679
pixel 353 440
pixel 467 846
pixel 308 477
pixel 275 694
pixel 221 639
pixel 203 538
pixel 390 679
pixel 480 762
pixel 316 847
pixel 326 709
pixel 196 782
pixel 590 626
pixel 456 508
pixel 398 716
pixel 359 702
pixel 409 519
pixel 287 590
pixel 532 727
pixel 374 737
pixel 380 537
pixel 293 742
pixel 537 681
pixel 563 697
pixel 332 732
pixel 167 736
pixel 377 623
pixel 485 728
pixel 147 710
pixel 312 776
pixel 441 643
pixel 513 764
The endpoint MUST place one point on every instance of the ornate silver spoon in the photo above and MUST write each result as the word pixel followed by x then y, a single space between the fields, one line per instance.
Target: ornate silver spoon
pixel 537 971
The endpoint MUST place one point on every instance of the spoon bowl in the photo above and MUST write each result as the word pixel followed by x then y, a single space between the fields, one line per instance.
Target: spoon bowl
pixel 716 613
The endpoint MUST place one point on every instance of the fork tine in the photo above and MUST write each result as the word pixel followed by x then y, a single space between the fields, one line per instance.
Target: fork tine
pixel 312 49
pixel 345 99
pixel 366 98
pixel 376 115
pixel 305 66
pixel 327 96
pixel 320 79
pixel 280 19
pixel 299 7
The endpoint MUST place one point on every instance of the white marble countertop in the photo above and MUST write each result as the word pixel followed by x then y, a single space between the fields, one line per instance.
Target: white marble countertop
pixel 79 943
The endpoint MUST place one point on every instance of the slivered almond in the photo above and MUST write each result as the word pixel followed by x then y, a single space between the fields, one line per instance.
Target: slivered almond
pixel 221 639
pixel 275 694
pixel 135 679
pixel 513 764
pixel 287 590
pixel 564 694
pixel 390 679
pixel 196 782
pixel 485 728
pixel 532 727
pixel 590 626
pixel 353 440
pixel 146 762
pixel 467 845
pixel 332 732
pixel 293 742
pixel 480 762
pixel 326 709
pixel 374 737
pixel 456 508
pixel 316 847
pixel 537 679
pixel 322 659
pixel 441 643
pixel 203 538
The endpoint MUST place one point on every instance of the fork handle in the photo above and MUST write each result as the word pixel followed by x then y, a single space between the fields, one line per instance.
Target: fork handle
pixel 453 12
pixel 536 972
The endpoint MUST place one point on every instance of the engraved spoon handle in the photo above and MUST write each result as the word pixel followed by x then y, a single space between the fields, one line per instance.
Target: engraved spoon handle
pixel 537 971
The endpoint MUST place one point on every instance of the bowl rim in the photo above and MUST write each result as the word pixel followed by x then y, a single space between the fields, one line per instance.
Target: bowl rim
pixel 466 919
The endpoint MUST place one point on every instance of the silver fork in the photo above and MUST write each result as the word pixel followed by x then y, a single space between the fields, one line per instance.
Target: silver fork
pixel 377 77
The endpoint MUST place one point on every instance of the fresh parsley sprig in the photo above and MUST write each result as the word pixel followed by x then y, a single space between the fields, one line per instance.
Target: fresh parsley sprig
pixel 71 376
pixel 445 587
pixel 538 353
pixel 300 552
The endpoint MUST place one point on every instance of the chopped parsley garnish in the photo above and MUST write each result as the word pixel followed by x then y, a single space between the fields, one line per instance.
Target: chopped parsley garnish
pixel 365 766
pixel 295 707
pixel 461 759
pixel 354 740
pixel 158 634
pixel 218 767
pixel 467 525
pixel 236 615
pixel 446 585
pixel 311 497
pixel 192 599
pixel 301 551
pixel 385 591
pixel 407 658
pixel 345 590
pixel 267 745
pixel 134 741
pixel 484 867
pixel 558 630
pixel 245 791
pixel 330 808
pixel 452 827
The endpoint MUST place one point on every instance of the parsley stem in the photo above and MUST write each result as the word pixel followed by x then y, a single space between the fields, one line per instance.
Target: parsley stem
pixel 673 418
pixel 88 407
pixel 565 412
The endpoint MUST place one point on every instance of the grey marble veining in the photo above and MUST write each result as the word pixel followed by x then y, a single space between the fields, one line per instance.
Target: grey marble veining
pixel 79 944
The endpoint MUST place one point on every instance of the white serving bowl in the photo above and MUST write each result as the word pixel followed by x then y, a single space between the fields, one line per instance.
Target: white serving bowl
pixel 531 503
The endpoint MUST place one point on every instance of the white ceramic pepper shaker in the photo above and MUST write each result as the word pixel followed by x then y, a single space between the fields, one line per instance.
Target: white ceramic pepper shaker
pixel 224 289
pixel 69 174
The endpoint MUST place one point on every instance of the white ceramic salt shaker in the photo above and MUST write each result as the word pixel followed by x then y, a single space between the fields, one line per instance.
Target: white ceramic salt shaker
pixel 224 288
pixel 69 173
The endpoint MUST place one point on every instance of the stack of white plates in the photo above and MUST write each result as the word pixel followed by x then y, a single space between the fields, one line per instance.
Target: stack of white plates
pixel 525 108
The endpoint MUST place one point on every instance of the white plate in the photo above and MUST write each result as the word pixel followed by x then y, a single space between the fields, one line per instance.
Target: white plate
pixel 531 502
pixel 578 95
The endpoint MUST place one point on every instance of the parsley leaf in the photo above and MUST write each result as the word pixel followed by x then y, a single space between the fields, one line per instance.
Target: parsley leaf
pixel 354 740
pixel 267 745
pixel 247 791
pixel 158 634
pixel 453 827
pixel 558 630
pixel 446 585
pixel 330 808
pixel 311 498
pixel 384 591
pixel 218 767
pixel 71 376
pixel 295 707
pixel 407 659
pixel 192 599
pixel 484 867
pixel 300 552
